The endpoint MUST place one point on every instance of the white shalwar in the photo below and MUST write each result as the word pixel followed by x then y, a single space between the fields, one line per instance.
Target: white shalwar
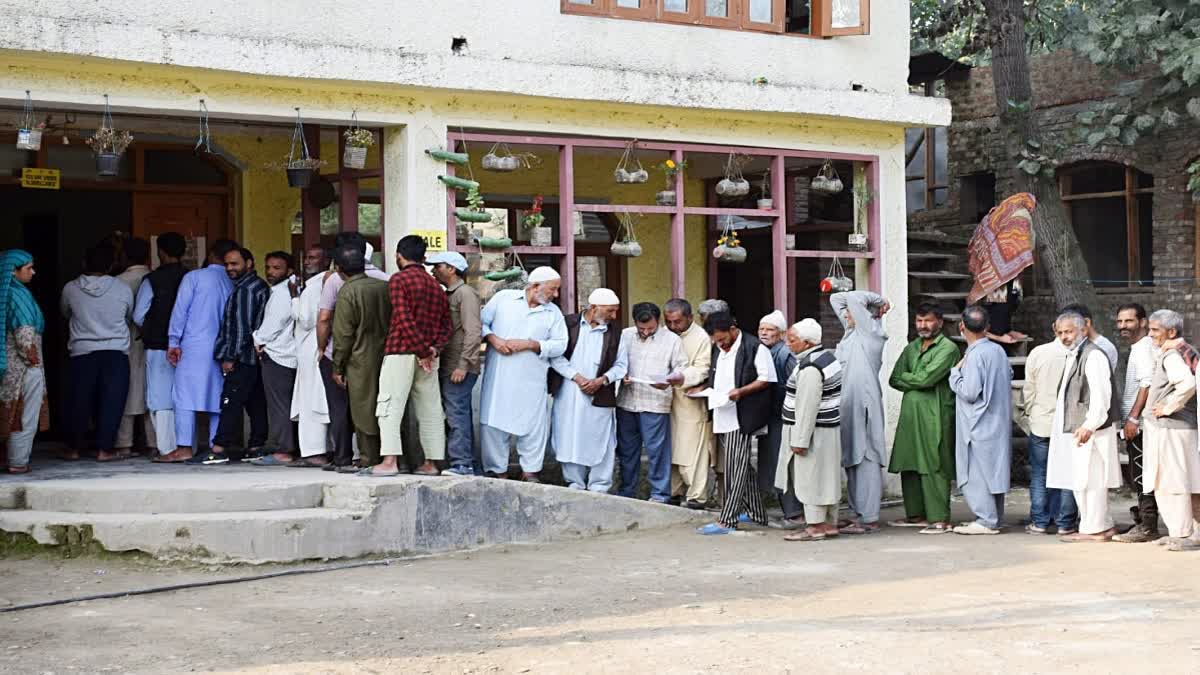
pixel 309 406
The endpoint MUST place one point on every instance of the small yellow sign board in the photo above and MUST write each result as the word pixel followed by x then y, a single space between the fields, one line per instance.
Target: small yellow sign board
pixel 435 240
pixel 41 179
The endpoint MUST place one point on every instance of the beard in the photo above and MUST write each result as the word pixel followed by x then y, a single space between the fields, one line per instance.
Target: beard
pixel 925 334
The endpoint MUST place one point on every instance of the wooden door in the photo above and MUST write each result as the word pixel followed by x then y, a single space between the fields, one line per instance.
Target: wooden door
pixel 200 218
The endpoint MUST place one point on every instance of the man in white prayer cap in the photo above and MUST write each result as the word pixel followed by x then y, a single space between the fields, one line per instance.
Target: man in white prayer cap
pixel 584 385
pixel 810 460
pixel 771 331
pixel 524 331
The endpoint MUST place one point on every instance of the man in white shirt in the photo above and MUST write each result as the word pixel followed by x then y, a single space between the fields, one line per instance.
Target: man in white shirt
pixel 1093 335
pixel 275 342
pixel 644 410
pixel 740 399
pixel 1135 329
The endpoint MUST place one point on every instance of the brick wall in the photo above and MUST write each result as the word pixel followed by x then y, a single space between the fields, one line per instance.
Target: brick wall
pixel 1064 86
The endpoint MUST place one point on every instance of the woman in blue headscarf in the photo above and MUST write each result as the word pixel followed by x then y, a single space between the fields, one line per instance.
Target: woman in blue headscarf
pixel 24 384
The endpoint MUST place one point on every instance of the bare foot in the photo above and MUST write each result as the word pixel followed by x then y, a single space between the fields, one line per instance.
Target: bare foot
pixel 108 455
pixel 427 469
pixel 175 456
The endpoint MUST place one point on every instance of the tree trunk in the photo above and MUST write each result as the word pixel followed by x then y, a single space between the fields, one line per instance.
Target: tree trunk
pixel 1057 245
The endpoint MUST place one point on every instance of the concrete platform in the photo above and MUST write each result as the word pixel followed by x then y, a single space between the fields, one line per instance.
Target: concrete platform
pixel 258 515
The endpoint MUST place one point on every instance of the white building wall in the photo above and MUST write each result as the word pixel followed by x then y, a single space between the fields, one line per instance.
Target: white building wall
pixel 514 46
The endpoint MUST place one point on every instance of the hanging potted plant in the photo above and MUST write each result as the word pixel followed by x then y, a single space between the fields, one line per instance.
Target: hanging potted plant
pixel 474 212
pixel 357 142
pixel 500 158
pixel 836 281
pixel 299 165
pixel 29 130
pixel 626 244
pixel 109 144
pixel 827 180
pixel 734 184
pixel 510 274
pixel 629 169
pixel 729 247
pixel 670 169
pixel 764 193
pixel 534 221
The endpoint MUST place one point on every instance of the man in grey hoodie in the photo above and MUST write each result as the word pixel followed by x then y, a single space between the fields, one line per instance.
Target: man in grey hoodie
pixel 97 308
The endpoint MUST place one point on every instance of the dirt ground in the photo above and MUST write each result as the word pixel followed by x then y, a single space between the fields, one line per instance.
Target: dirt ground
pixel 667 601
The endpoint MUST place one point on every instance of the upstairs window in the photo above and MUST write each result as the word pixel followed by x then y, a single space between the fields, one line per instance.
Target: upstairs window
pixel 1111 208
pixel 816 18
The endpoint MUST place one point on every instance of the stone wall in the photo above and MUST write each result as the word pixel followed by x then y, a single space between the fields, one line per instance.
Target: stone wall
pixel 1066 85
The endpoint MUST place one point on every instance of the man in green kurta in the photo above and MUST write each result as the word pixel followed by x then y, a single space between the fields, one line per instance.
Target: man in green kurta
pixel 360 326
pixel 923 453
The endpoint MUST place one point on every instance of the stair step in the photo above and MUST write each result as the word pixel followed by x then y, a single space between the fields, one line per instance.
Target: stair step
pixel 268 490
pixel 940 275
pixel 936 237
pixel 932 255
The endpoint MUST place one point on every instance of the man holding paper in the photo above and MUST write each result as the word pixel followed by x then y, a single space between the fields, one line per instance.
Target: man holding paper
pixel 656 362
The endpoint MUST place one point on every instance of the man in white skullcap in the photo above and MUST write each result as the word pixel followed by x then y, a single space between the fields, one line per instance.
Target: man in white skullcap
pixel 524 331
pixel 810 459
pixel 771 331
pixel 584 385
pixel 656 361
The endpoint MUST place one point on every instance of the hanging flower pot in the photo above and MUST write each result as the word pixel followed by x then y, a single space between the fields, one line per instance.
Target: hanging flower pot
pixel 733 184
pixel 299 165
pixel 836 281
pixel 108 164
pixel 29 131
pixel 474 212
pixel 665 198
pixel 495 242
pixel 509 274
pixel 670 169
pixel 629 168
pixel 501 159
pixel 729 248
pixel 109 144
pixel 457 158
pixel 626 244
pixel 827 180
pixel 357 142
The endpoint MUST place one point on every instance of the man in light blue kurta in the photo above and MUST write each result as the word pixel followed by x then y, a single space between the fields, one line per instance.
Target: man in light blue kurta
pixel 982 385
pixel 861 354
pixel 195 322
pixel 584 425
pixel 524 330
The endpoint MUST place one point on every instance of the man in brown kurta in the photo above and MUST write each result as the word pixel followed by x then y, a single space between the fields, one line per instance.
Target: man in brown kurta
pixel 360 326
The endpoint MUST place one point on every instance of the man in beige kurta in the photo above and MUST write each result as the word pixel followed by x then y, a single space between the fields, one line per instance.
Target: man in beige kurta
pixel 691 430
pixel 1171 468
pixel 137 253
pixel 810 452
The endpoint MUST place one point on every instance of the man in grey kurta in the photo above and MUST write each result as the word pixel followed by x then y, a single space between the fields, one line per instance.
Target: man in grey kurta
pixel 982 385
pixel 861 354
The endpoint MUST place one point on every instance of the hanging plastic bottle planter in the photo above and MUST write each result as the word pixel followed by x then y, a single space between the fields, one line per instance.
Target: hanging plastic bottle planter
pixel 827 180
pixel 29 130
pixel 626 244
pixel 301 167
pixel 629 168
pixel 109 144
pixel 358 140
pixel 734 184
pixel 729 248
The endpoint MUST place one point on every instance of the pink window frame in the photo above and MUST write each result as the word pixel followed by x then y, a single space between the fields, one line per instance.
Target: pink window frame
pixel 781 269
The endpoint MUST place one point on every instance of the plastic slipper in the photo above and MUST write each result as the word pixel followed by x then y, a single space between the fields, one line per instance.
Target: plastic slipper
pixel 908 523
pixel 806 536
pixel 369 472
pixel 158 459
pixel 937 530
pixel 855 528
pixel 306 463
pixel 715 528
pixel 1182 544
pixel 269 460
pixel 15 470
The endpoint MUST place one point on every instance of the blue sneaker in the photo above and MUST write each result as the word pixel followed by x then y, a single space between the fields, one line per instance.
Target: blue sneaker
pixel 458 471
pixel 715 528
pixel 744 518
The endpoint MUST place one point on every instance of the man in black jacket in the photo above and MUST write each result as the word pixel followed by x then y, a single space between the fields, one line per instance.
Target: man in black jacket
pixel 152 313
pixel 739 396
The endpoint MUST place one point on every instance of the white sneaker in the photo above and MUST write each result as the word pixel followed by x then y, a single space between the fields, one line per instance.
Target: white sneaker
pixel 974 527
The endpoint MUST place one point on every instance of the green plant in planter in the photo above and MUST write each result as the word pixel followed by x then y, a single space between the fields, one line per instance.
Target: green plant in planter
pixel 359 138
pixel 109 141
pixel 474 212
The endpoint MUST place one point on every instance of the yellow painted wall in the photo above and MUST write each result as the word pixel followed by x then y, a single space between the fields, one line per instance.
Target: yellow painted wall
pixel 267 204
pixel 649 275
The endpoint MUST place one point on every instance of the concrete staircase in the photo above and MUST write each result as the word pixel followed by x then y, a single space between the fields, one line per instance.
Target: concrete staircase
pixel 284 515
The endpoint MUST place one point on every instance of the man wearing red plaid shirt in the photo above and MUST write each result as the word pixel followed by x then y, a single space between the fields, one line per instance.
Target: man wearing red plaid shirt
pixel 420 328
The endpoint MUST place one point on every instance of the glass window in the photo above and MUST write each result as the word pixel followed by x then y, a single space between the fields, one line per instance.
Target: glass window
pixel 630 4
pixel 846 13
pixel 761 11
pixel 680 6
pixel 1112 207
pixel 718 8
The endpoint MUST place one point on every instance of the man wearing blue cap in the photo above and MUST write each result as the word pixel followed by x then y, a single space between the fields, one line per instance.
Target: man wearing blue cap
pixel 459 367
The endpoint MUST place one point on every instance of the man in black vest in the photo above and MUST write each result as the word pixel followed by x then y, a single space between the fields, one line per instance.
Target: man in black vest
pixel 152 313
pixel 583 382
pixel 739 396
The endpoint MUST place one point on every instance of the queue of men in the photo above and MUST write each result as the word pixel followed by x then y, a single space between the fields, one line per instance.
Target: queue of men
pixel 335 366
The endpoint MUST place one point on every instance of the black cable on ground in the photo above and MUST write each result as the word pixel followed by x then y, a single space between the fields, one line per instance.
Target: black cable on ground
pixel 199 584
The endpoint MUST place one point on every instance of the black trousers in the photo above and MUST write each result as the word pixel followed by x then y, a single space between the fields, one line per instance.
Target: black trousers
pixel 278 383
pixel 99 385
pixel 768 458
pixel 340 428
pixel 242 391
pixel 1147 508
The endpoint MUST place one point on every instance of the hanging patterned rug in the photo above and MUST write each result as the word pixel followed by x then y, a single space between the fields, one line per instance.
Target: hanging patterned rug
pixel 1002 245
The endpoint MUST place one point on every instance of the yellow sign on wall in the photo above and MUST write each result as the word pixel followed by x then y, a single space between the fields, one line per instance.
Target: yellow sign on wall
pixel 435 240
pixel 41 179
